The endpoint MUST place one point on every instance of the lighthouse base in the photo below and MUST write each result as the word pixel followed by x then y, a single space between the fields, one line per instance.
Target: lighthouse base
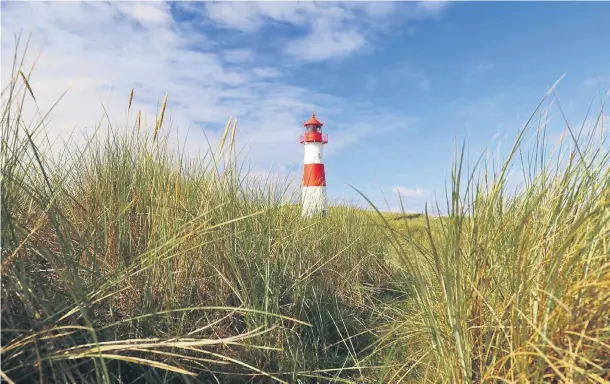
pixel 314 201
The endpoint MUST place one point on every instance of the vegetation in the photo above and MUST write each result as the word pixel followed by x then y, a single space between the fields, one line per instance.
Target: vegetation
pixel 124 262
pixel 511 287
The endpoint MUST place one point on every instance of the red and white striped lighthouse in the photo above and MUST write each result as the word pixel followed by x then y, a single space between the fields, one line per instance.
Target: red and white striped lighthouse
pixel 313 195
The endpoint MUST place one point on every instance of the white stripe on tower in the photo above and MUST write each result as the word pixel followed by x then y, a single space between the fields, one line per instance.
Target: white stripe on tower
pixel 314 179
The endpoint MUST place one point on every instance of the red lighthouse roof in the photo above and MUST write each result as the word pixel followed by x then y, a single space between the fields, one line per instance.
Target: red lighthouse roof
pixel 313 121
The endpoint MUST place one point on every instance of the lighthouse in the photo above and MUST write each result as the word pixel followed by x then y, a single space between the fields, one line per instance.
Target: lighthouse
pixel 313 196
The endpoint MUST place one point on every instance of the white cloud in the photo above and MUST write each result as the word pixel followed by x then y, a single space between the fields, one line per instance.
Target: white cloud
pixel 327 36
pixel 410 192
pixel 323 44
pixel 408 199
pixel 250 16
pixel 433 7
pixel 243 17
pixel 104 49
pixel 237 55
pixel 333 30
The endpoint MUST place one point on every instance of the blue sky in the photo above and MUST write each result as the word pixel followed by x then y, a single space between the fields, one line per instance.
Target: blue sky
pixel 397 83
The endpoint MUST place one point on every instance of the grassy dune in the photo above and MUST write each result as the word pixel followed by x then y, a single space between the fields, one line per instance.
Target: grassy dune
pixel 124 262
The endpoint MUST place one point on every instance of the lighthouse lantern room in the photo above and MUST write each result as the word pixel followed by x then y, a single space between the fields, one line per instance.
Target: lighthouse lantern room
pixel 313 195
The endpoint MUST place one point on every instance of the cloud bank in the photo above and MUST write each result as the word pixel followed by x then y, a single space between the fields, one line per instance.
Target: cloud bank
pixel 205 57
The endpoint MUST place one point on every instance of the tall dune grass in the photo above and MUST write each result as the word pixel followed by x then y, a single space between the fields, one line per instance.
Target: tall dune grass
pixel 125 262
pixel 512 286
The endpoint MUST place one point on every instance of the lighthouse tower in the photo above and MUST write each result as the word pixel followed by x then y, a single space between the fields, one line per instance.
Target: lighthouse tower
pixel 313 195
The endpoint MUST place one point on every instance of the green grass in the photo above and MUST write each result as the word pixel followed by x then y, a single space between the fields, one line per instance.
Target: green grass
pixel 511 287
pixel 124 262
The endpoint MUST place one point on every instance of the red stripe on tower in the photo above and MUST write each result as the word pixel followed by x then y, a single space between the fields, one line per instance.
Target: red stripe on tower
pixel 313 175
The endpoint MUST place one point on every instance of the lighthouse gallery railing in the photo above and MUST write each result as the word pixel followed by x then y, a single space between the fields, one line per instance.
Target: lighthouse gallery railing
pixel 313 137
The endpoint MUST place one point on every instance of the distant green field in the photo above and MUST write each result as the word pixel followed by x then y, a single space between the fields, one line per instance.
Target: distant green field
pixel 122 263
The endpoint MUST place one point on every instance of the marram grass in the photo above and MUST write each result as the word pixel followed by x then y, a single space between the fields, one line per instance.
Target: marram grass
pixel 511 287
pixel 122 261
pixel 125 262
